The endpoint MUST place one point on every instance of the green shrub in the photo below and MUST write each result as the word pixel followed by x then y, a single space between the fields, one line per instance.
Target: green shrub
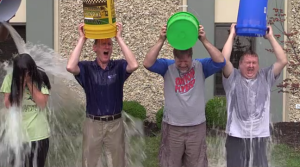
pixel 216 113
pixel 159 117
pixel 134 109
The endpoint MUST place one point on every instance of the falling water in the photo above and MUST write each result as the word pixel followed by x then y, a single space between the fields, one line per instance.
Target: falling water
pixel 65 112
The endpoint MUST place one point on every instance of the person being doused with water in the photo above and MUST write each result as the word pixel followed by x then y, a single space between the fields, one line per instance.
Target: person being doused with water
pixel 102 80
pixel 248 91
pixel 27 87
pixel 183 139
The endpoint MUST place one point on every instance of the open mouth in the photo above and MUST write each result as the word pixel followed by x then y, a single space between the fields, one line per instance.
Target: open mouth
pixel 105 53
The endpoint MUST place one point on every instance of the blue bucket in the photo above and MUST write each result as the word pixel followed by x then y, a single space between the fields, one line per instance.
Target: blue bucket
pixel 252 18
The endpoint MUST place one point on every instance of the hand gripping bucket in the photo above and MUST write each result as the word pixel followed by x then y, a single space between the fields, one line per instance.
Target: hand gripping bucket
pixel 99 19
pixel 252 18
pixel 182 30
pixel 8 8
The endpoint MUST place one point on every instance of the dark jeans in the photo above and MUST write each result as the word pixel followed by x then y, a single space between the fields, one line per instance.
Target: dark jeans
pixel 38 154
pixel 238 152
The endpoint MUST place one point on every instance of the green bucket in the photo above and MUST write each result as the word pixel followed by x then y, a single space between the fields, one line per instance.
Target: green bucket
pixel 182 30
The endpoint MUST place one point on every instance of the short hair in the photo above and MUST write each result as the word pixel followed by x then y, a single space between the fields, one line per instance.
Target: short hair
pixel 179 53
pixel 96 40
pixel 248 52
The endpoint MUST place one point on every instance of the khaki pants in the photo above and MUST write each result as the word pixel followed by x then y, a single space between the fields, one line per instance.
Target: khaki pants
pixel 99 135
pixel 183 146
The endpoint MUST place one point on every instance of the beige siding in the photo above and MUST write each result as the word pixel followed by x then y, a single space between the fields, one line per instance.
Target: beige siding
pixel 226 11
pixel 21 14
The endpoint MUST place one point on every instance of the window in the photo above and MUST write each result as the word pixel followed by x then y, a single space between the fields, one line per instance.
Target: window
pixel 240 45
pixel 8 47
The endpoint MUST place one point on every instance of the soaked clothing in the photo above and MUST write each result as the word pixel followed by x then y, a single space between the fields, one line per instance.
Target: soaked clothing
pixel 248 114
pixel 248 103
pixel 183 146
pixel 34 156
pixel 184 123
pixel 35 124
pixel 104 97
pixel 107 137
pixel 245 152
pixel 185 93
pixel 103 87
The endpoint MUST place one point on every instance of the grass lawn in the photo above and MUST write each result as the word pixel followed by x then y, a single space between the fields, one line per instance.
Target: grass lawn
pixel 281 156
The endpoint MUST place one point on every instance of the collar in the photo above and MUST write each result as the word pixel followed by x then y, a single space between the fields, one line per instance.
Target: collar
pixel 109 66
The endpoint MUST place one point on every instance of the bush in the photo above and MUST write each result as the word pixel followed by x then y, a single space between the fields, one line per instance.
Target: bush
pixel 216 113
pixel 159 117
pixel 134 109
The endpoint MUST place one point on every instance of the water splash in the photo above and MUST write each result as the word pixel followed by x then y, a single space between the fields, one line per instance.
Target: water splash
pixel 65 111
pixel 14 138
pixel 134 141
pixel 45 57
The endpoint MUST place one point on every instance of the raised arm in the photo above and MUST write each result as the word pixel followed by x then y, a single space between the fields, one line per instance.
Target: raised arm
pixel 38 96
pixel 3 33
pixel 151 56
pixel 129 56
pixel 281 61
pixel 227 70
pixel 6 100
pixel 214 53
pixel 72 65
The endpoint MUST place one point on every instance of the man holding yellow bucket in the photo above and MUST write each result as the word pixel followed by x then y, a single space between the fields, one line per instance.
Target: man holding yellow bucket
pixel 102 81
pixel 184 127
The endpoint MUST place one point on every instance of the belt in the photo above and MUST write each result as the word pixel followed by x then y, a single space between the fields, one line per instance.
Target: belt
pixel 104 118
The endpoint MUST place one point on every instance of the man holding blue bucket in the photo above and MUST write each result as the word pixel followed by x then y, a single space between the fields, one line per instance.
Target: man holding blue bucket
pixel 184 127
pixel 248 103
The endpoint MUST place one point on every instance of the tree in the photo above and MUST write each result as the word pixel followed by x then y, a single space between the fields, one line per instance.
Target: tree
pixel 292 49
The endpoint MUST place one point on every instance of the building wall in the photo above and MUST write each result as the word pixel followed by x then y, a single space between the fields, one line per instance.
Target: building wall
pixel 204 10
pixel 39 22
pixel 20 17
pixel 293 24
pixel 142 21
pixel 226 11
pixel 40 29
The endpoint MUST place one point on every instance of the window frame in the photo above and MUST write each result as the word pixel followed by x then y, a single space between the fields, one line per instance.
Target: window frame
pixel 225 25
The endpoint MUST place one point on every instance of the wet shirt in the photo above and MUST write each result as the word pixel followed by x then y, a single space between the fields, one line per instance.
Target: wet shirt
pixel 34 120
pixel 248 103
pixel 185 93
pixel 103 87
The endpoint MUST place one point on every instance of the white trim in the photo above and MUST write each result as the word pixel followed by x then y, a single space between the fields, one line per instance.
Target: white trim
pixel 184 5
pixel 285 117
pixel 56 25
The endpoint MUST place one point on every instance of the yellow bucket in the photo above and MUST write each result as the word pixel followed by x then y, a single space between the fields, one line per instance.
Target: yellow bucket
pixel 99 19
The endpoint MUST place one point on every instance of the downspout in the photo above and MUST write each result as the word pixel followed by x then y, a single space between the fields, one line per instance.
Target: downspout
pixel 184 5
pixel 56 28
pixel 286 99
pixel 56 25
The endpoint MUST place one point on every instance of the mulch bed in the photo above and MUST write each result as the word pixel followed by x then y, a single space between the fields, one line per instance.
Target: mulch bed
pixel 282 132
pixel 150 129
pixel 287 133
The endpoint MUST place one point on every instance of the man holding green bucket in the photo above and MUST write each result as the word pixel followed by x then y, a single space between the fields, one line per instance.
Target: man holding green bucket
pixel 248 103
pixel 184 127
